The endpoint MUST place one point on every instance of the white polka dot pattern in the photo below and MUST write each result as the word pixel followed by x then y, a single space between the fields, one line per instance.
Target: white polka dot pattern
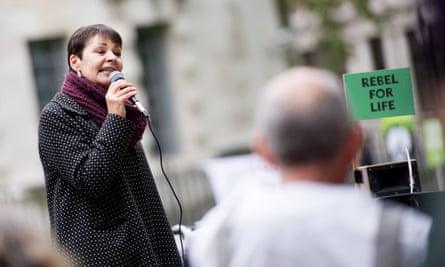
pixel 103 204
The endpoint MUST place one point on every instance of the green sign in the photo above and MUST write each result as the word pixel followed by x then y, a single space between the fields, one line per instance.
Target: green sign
pixel 379 94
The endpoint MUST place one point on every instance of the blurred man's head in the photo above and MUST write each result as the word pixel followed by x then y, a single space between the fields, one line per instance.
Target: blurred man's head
pixel 302 120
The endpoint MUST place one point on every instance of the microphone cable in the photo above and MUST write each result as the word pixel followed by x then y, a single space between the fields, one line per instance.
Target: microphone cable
pixel 115 76
pixel 161 162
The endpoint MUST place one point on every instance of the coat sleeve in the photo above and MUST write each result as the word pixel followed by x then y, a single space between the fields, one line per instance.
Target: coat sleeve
pixel 89 163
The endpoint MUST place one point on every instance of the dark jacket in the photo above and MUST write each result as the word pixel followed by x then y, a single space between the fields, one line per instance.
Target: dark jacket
pixel 103 204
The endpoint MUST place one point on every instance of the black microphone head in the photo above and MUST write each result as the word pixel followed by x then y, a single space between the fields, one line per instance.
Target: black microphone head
pixel 115 76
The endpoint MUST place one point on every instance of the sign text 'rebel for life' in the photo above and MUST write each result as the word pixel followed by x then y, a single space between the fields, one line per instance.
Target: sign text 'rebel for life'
pixel 378 94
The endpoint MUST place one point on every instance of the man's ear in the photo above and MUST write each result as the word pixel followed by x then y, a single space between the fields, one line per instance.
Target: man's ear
pixel 354 142
pixel 75 62
pixel 346 154
pixel 261 147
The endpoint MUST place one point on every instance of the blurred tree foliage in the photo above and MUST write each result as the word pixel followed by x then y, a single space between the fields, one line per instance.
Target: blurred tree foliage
pixel 331 41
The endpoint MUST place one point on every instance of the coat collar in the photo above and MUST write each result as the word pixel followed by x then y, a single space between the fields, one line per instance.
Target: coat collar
pixel 68 103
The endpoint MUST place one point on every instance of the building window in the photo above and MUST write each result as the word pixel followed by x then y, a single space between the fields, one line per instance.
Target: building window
pixel 283 11
pixel 152 48
pixel 48 66
pixel 319 58
pixel 423 69
pixel 375 45
pixel 310 58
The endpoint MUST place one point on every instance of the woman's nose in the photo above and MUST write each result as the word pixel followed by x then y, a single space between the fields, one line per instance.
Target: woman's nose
pixel 110 56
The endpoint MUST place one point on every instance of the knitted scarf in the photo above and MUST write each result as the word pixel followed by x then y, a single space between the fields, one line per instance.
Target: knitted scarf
pixel 91 97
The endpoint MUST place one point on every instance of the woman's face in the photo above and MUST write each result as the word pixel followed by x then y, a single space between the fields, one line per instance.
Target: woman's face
pixel 100 57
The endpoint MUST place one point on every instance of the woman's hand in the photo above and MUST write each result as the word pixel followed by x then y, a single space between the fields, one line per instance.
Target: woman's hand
pixel 118 93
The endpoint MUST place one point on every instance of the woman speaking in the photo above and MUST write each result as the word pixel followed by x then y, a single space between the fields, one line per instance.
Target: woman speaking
pixel 104 207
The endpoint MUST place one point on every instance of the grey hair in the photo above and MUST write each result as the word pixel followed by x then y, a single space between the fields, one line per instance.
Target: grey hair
pixel 299 130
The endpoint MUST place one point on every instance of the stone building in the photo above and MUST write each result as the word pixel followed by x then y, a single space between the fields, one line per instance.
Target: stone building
pixel 198 66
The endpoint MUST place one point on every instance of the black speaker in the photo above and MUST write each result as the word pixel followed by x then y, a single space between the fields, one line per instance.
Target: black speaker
pixel 388 179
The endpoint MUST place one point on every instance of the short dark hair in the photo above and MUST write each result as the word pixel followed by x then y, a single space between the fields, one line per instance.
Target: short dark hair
pixel 78 39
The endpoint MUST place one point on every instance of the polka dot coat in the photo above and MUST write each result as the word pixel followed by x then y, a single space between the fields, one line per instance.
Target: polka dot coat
pixel 103 204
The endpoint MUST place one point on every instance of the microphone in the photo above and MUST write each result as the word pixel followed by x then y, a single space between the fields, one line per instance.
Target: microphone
pixel 116 76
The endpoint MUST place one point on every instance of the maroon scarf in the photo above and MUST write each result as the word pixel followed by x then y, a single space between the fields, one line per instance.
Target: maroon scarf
pixel 91 97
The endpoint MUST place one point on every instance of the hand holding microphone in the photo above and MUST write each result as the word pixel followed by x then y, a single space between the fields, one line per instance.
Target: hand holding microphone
pixel 117 76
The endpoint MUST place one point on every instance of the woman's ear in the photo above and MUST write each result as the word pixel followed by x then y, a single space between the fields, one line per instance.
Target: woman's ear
pixel 75 62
